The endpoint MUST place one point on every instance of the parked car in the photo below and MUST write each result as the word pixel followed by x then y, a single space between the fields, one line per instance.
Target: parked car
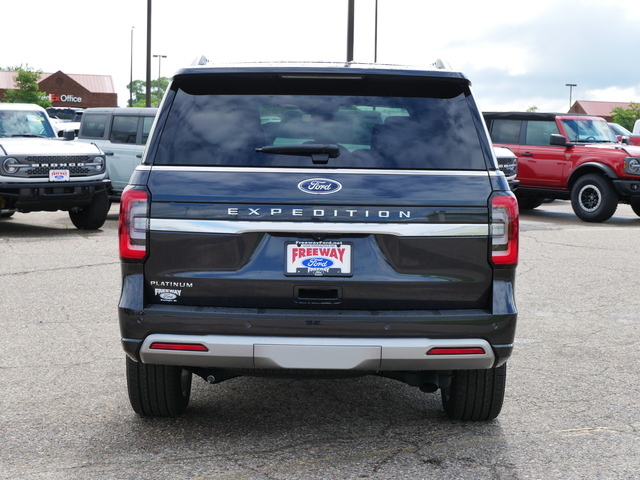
pixel 121 133
pixel 65 119
pixel 569 156
pixel 623 135
pixel 41 172
pixel 318 221
pixel 508 164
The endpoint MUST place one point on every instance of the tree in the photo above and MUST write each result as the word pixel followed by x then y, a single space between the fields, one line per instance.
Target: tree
pixel 139 91
pixel 26 81
pixel 532 109
pixel 626 116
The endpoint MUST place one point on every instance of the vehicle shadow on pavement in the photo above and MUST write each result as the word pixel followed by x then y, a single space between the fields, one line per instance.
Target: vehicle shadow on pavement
pixel 250 427
pixel 561 213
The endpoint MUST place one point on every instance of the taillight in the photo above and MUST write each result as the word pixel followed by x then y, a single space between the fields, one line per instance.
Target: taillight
pixel 134 223
pixel 504 229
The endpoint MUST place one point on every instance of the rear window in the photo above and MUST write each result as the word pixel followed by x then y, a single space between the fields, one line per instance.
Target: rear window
pixel 225 127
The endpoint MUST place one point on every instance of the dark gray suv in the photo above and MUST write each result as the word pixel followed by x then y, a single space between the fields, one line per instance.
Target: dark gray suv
pixel 314 221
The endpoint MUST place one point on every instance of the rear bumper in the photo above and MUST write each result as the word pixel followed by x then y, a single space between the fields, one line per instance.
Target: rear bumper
pixel 362 354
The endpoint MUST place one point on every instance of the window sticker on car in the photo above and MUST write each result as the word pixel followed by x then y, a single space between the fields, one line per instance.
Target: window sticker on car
pixel 318 259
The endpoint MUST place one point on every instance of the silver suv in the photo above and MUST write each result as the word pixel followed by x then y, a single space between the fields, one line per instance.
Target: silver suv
pixel 121 133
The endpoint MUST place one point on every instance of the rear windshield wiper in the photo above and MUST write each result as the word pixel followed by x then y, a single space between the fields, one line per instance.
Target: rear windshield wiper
pixel 319 152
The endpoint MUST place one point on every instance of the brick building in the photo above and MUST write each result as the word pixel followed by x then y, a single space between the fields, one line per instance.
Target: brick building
pixel 70 90
pixel 597 108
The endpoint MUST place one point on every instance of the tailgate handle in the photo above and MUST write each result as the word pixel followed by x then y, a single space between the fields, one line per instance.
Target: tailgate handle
pixel 317 294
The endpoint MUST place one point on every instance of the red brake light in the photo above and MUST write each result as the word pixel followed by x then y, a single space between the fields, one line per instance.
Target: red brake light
pixel 456 351
pixel 134 223
pixel 504 229
pixel 189 347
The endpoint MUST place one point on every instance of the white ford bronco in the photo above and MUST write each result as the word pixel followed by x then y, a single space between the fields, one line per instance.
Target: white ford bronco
pixel 41 172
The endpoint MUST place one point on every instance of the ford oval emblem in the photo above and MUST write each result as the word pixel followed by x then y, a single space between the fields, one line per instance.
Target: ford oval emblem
pixel 317 262
pixel 319 186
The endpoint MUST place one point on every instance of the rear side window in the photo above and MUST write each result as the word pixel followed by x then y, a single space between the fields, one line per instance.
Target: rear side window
pixel 93 125
pixel 506 131
pixel 124 129
pixel 371 131
pixel 539 132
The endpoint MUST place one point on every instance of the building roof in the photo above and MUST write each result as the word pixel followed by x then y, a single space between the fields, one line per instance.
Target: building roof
pixel 93 83
pixel 599 109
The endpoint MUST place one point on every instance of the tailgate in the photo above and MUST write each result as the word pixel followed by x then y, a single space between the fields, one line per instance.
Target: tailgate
pixel 262 238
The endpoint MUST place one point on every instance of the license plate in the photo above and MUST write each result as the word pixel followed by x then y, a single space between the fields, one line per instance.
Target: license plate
pixel 58 175
pixel 318 259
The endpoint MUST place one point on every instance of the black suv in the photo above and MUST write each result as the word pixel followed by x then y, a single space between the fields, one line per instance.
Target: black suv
pixel 318 220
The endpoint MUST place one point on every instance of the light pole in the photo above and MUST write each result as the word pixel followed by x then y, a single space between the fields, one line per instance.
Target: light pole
pixel 148 79
pixel 159 57
pixel 375 44
pixel 131 73
pixel 350 28
pixel 570 85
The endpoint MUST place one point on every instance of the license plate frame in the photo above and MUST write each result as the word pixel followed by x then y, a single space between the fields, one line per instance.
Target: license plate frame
pixel 59 175
pixel 318 259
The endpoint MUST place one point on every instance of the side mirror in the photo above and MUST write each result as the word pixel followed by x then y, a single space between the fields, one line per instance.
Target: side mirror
pixel 624 139
pixel 559 140
pixel 69 134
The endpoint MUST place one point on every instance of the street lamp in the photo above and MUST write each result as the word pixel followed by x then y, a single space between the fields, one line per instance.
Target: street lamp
pixel 570 85
pixel 159 57
pixel 131 73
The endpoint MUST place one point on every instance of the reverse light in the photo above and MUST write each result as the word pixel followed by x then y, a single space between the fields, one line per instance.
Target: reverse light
pixel 504 229
pixel 133 225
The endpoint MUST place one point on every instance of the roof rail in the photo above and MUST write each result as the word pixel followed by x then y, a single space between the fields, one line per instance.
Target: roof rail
pixel 441 64
pixel 199 60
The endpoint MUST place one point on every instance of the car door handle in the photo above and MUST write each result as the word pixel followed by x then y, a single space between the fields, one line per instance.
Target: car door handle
pixel 527 154
pixel 108 153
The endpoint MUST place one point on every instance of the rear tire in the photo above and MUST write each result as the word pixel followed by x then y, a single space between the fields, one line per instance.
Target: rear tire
pixel 475 395
pixel 158 390
pixel 529 203
pixel 593 198
pixel 93 215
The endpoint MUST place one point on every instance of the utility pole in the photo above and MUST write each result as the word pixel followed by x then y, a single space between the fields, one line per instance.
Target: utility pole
pixel 350 31
pixel 375 46
pixel 148 93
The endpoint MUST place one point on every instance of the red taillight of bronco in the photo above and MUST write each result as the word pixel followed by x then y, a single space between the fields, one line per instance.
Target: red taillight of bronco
pixel 133 226
pixel 504 229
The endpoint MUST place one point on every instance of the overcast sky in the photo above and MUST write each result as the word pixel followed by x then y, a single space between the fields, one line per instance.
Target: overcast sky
pixel 517 54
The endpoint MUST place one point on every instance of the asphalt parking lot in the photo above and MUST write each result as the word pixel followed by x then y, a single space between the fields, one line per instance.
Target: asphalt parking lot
pixel 571 410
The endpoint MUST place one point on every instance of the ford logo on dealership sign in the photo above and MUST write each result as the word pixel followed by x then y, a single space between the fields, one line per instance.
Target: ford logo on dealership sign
pixel 319 186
